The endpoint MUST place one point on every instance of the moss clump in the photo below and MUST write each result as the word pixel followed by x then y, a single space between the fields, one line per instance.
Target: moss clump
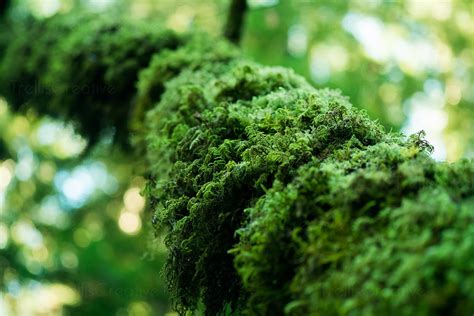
pixel 200 52
pixel 369 230
pixel 277 198
pixel 81 67
pixel 270 175
pixel 280 198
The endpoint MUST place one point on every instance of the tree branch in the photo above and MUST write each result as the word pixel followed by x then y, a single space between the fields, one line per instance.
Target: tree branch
pixel 310 195
pixel 235 18
pixel 4 4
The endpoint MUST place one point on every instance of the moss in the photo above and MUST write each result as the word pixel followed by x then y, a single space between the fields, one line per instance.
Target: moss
pixel 86 74
pixel 361 230
pixel 276 198
pixel 210 182
pixel 200 52
pixel 255 169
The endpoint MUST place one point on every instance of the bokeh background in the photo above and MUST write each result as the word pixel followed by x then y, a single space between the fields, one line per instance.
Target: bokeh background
pixel 75 236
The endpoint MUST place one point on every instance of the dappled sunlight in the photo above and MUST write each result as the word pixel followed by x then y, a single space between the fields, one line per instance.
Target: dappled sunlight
pixel 380 54
pixel 390 43
pixel 133 201
pixel 45 8
pixel 327 59
pixel 6 173
pixel 297 40
pixel 80 184
pixel 426 112
pixel 60 139
pixel 54 213
pixel 262 3
pixel 129 222
pixel 37 299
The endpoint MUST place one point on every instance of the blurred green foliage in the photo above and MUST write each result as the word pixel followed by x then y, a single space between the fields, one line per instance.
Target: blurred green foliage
pixel 62 241
pixel 379 53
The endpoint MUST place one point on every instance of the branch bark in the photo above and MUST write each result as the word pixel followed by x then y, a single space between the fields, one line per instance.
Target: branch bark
pixel 235 20
pixel 4 4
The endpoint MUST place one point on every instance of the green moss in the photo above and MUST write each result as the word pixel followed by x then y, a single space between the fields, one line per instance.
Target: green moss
pixel 81 67
pixel 357 234
pixel 200 52
pixel 276 198
pixel 270 188
pixel 209 144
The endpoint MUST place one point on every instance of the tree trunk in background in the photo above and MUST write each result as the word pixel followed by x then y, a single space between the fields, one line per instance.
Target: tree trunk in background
pixel 4 4
pixel 277 197
pixel 235 20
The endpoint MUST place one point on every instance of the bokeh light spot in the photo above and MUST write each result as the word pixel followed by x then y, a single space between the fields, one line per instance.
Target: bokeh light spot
pixel 130 223
pixel 133 201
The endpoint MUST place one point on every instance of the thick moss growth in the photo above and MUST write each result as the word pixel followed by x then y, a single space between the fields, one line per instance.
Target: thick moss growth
pixel 81 67
pixel 377 230
pixel 276 198
pixel 318 209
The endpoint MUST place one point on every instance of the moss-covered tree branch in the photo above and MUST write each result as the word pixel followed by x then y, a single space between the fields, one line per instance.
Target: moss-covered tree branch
pixel 277 198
